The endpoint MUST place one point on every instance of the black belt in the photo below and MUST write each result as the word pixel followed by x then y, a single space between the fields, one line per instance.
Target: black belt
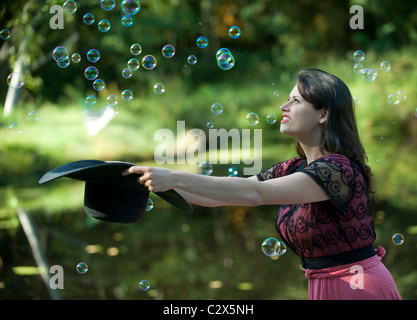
pixel 338 259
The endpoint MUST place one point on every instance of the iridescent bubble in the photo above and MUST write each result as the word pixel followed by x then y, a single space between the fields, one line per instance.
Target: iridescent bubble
pixel 127 20
pixel 63 62
pixel 276 93
pixel 369 75
pixel 252 119
pixel 104 25
pixel 91 73
pixel 69 7
pixel 5 34
pixel 271 118
pixel 112 99
pixel 60 53
pixel 357 68
pixel 357 100
pixel 226 61
pixel 89 19
pixel 282 248
pixel 206 168
pixel 90 100
pixel 234 32
pixel 113 108
pixel 133 64
pixel 82 268
pixel 135 49
pixel 127 95
pixel 168 51
pixel 398 239
pixel 149 62
pixel 359 56
pixel 216 108
pixel 87 115
pixel 107 4
pixel 144 285
pixel 149 205
pixel 126 73
pixel 76 57
pixel 93 55
pixel 385 66
pixel 210 125
pixel 130 7
pixel 272 247
pixel 402 95
pixel 393 99
pixel 159 88
pixel 98 85
pixel 15 80
pixel 192 59
pixel 202 42
pixel 222 51
pixel 233 172
pixel 33 116
pixel 15 129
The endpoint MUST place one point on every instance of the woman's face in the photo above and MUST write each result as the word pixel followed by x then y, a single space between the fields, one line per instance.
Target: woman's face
pixel 300 119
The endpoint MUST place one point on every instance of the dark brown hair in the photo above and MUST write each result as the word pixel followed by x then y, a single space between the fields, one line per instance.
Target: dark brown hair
pixel 340 132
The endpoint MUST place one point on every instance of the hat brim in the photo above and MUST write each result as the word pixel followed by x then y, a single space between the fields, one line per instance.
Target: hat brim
pixel 108 194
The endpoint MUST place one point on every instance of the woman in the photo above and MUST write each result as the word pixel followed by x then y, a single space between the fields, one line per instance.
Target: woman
pixel 325 214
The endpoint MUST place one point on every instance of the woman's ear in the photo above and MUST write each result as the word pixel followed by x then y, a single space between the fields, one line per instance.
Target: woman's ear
pixel 324 116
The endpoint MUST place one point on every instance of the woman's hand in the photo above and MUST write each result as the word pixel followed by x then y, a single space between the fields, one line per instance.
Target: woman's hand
pixel 154 178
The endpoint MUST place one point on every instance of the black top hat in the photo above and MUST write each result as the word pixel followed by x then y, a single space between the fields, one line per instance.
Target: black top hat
pixel 109 195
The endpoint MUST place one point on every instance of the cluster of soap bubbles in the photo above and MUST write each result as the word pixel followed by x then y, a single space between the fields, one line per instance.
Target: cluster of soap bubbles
pixel 273 247
pixel 370 75
pixel 16 128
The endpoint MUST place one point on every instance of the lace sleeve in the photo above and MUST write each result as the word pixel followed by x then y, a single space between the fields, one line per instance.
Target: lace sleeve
pixel 280 169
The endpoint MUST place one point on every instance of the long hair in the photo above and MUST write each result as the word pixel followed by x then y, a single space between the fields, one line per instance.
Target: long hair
pixel 340 132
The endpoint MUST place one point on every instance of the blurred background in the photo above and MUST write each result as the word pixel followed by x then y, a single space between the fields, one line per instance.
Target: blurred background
pixel 213 253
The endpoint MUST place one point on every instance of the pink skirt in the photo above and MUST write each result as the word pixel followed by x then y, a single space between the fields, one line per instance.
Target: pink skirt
pixel 368 279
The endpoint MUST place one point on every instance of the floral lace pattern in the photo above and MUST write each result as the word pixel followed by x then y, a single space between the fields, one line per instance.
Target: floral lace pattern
pixel 324 228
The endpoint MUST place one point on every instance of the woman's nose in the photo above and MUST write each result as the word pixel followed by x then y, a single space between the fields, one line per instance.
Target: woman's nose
pixel 285 106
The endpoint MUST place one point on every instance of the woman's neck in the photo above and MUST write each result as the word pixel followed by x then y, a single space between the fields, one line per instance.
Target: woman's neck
pixel 313 152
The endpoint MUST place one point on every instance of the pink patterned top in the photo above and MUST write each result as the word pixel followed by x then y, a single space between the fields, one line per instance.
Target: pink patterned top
pixel 326 228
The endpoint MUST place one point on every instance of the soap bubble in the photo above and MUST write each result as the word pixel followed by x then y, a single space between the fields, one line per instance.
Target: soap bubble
pixel 88 115
pixel 210 125
pixel 357 100
pixel 104 25
pixel 159 88
pixel 90 100
pixel 5 34
pixel 69 7
pixel 15 129
pixel 192 59
pixel 393 99
pixel 63 62
pixel 168 51
pixel 272 247
pixel 112 99
pixel 127 95
pixel 359 56
pixel 133 64
pixel 221 51
pixel 206 168
pixel 226 61
pixel 98 85
pixel 276 93
pixel 60 53
pixel 252 119
pixel 91 73
pixel 76 57
pixel 149 62
pixel 217 108
pixel 127 21
pixel 130 7
pixel 368 74
pixel 357 68
pixel 126 73
pixel 15 80
pixel 144 285
pixel 33 116
pixel 398 239
pixel 402 95
pixel 202 42
pixel 107 4
pixel 135 49
pixel 149 205
pixel 88 19
pixel 82 268
pixel 93 55
pixel 385 66
pixel 234 32
pixel 233 172
pixel 271 118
